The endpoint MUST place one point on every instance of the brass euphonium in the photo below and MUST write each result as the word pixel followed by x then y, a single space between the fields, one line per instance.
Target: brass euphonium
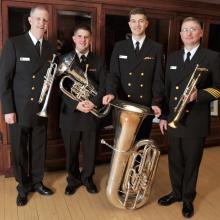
pixel 76 85
pixel 181 105
pixel 132 167
pixel 47 87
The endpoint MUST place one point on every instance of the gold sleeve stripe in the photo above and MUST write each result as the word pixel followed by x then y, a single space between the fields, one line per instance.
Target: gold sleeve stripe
pixel 214 92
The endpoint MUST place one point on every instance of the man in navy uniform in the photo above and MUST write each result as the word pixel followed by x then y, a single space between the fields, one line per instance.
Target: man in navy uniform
pixel 77 124
pixel 24 63
pixel 136 70
pixel 186 142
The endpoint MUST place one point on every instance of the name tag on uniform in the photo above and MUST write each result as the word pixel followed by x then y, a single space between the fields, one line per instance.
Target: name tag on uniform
pixel 123 57
pixel 149 58
pixel 92 70
pixel 25 59
pixel 173 67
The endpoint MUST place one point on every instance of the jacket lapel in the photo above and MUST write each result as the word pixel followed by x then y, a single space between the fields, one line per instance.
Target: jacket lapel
pixel 132 59
pixel 30 48
pixel 198 57
pixel 186 72
pixel 44 55
pixel 180 66
pixel 145 49
pixel 89 58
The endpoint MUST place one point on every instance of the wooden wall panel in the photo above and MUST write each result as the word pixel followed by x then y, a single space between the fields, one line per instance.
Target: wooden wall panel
pixel 173 10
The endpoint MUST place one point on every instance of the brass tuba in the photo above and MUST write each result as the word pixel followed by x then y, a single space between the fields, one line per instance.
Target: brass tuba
pixel 76 85
pixel 181 105
pixel 132 167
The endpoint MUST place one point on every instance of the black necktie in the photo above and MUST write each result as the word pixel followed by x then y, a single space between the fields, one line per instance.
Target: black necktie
pixel 137 48
pixel 83 59
pixel 83 62
pixel 188 57
pixel 37 47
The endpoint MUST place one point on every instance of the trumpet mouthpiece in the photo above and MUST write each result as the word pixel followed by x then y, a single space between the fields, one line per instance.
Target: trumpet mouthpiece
pixel 202 69
pixel 103 141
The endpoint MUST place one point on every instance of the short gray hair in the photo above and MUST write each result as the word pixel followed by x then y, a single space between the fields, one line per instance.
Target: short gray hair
pixel 197 21
pixel 40 7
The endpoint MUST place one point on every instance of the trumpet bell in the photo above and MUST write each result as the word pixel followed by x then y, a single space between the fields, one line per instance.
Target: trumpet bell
pixel 42 114
pixel 172 124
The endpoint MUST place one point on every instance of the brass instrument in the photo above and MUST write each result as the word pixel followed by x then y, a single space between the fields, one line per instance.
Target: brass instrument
pixel 81 88
pixel 179 109
pixel 132 167
pixel 47 87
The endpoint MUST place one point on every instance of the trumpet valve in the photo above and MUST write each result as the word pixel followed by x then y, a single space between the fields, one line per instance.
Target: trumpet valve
pixel 175 109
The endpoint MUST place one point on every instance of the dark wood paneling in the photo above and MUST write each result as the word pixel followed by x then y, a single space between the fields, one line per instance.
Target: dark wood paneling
pixel 0 25
pixel 206 1
pixel 172 10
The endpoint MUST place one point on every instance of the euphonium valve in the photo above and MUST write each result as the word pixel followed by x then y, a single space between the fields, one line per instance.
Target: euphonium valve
pixel 76 85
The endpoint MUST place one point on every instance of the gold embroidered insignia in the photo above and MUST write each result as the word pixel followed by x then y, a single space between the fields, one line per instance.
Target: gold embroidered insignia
pixel 214 92
pixel 92 70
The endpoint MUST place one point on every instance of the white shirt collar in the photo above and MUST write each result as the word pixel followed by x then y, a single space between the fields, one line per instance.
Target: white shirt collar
pixel 192 52
pixel 34 39
pixel 80 54
pixel 141 41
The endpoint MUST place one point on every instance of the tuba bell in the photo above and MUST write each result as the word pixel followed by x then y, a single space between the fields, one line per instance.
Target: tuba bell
pixel 132 167
pixel 181 105
pixel 77 86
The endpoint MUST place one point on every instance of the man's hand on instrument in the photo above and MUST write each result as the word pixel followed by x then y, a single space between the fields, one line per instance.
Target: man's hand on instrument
pixel 85 106
pixel 193 95
pixel 10 118
pixel 157 110
pixel 88 104
pixel 107 99
pixel 46 86
pixel 163 126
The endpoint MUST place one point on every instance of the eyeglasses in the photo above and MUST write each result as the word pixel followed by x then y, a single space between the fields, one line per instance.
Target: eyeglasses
pixel 191 30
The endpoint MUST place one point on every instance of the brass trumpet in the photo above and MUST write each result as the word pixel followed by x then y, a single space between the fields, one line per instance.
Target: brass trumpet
pixel 179 109
pixel 47 87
